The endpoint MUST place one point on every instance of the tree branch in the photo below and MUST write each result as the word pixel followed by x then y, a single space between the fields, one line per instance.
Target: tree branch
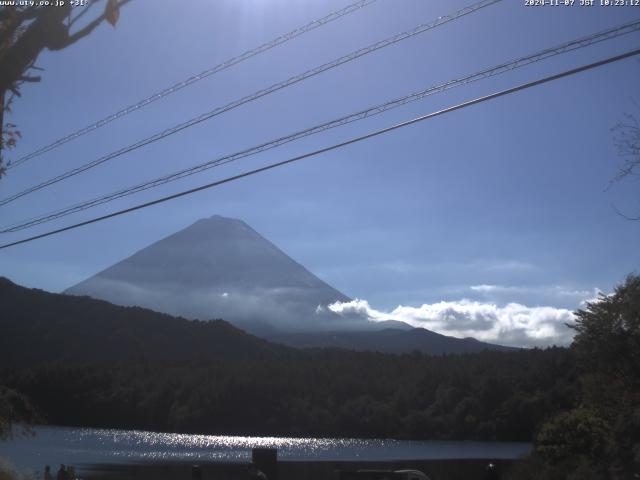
pixel 83 12
pixel 30 79
pixel 623 215
pixel 90 27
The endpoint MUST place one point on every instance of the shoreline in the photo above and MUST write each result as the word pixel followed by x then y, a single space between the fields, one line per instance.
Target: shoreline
pixel 450 469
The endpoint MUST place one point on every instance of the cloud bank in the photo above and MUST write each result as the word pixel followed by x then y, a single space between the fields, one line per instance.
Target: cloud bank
pixel 513 324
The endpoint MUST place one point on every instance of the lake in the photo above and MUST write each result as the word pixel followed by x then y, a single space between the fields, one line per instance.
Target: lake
pixel 85 446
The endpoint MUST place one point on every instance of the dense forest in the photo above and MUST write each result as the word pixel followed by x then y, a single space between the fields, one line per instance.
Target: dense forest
pixel 581 405
pixel 492 395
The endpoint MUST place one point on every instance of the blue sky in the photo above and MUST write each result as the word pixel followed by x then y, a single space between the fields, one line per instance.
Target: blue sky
pixel 501 203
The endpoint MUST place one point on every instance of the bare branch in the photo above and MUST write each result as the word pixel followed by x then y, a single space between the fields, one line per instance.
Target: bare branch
pixel 627 142
pixel 623 215
pixel 29 79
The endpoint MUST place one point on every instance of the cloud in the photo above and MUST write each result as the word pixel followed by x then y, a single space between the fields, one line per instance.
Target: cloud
pixel 286 308
pixel 556 291
pixel 596 296
pixel 513 324
pixel 507 266
pixel 558 295
pixel 485 288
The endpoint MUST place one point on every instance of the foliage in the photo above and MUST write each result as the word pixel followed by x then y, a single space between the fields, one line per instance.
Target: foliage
pixel 608 334
pixel 600 437
pixel 578 432
pixel 17 414
pixel 26 29
pixel 8 471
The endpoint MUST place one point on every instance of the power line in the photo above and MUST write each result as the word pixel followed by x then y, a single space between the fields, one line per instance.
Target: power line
pixel 195 78
pixel 371 111
pixel 459 106
pixel 254 96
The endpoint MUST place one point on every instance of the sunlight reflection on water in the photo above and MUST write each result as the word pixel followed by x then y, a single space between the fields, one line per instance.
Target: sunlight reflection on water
pixel 170 446
pixel 77 446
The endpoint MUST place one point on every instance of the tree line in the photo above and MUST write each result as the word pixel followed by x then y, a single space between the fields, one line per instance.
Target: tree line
pixel 485 396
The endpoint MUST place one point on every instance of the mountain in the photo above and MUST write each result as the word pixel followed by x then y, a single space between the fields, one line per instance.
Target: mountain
pixel 219 268
pixel 40 328
pixel 387 340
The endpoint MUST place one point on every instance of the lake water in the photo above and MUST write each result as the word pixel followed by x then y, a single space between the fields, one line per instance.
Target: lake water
pixel 84 446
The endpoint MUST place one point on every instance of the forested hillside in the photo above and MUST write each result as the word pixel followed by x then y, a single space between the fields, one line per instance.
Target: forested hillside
pixel 38 327
pixel 87 362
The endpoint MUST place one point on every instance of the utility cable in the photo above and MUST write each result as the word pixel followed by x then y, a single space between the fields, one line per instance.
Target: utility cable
pixel 271 166
pixel 254 96
pixel 361 115
pixel 195 78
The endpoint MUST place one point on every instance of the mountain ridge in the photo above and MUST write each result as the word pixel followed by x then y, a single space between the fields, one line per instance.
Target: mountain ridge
pixel 217 267
pixel 39 327
pixel 220 267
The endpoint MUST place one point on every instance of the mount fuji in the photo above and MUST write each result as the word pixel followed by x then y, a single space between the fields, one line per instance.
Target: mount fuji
pixel 222 268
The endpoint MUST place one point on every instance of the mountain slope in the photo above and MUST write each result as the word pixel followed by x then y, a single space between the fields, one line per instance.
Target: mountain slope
pixel 218 268
pixel 388 340
pixel 38 327
pixel 221 268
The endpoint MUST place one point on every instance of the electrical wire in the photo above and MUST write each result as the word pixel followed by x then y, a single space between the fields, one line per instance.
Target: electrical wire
pixel 572 45
pixel 459 106
pixel 254 96
pixel 195 78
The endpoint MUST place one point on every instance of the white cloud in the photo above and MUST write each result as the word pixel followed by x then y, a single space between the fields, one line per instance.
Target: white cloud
pixel 508 265
pixel 513 324
pixel 556 290
pixel 595 296
pixel 484 288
